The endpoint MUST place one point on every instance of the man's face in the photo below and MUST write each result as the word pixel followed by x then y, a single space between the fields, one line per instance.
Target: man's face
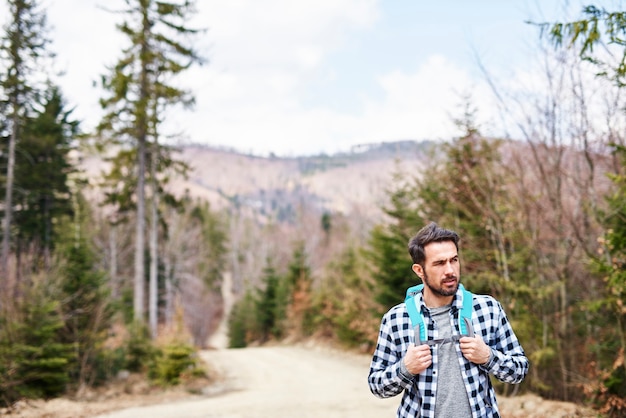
pixel 441 271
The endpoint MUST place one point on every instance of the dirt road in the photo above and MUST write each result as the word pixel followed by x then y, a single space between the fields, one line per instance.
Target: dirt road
pixel 277 382
pixel 280 382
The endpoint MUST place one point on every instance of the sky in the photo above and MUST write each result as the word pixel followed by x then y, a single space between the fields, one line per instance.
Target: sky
pixel 302 77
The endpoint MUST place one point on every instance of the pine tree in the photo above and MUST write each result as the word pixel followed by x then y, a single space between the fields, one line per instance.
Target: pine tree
pixel 43 198
pixel 33 357
pixel 84 294
pixel 22 48
pixel 266 303
pixel 612 263
pixel 297 285
pixel 387 248
pixel 135 108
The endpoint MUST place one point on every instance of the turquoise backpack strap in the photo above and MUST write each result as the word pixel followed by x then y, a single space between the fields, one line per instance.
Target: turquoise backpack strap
pixel 417 320
pixel 416 317
pixel 465 314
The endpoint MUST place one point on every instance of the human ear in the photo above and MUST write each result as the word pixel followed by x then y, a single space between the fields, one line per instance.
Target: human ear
pixel 418 270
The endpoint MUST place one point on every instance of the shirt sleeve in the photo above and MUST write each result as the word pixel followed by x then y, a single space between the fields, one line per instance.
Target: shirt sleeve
pixel 386 377
pixel 508 362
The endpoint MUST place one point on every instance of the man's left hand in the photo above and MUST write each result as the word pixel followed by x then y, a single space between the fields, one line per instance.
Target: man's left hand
pixel 475 350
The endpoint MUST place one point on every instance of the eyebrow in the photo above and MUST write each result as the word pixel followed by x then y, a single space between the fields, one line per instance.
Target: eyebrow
pixel 443 260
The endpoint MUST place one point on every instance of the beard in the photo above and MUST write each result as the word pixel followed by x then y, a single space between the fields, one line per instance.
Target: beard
pixel 440 290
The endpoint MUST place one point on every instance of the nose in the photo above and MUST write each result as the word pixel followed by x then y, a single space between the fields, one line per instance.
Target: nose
pixel 448 268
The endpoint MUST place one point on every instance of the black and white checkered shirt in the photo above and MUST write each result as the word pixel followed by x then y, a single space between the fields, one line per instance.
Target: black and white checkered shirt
pixel 388 378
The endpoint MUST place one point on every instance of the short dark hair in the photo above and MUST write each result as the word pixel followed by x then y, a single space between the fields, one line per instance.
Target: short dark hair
pixel 430 233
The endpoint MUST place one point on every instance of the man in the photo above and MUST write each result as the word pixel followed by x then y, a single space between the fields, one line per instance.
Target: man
pixel 449 377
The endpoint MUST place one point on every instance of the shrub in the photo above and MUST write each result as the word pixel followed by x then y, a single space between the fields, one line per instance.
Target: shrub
pixel 173 363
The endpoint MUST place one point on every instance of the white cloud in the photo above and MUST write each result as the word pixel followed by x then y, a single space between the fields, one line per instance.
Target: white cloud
pixel 265 58
pixel 413 106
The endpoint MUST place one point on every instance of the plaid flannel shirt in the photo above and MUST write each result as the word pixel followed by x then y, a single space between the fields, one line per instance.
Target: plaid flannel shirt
pixel 388 377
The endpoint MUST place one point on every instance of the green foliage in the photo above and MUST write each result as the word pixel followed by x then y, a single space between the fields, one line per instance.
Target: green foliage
pixel 612 264
pixel 467 193
pixel 284 290
pixel 139 350
pixel 616 381
pixel 139 90
pixel 42 194
pixel 597 27
pixel 106 364
pixel 22 46
pixel 267 304
pixel 280 308
pixel 464 189
pixel 388 245
pixel 173 363
pixel 240 321
pixel 298 269
pixel 86 308
pixel 33 359
pixel 344 305
pixel 326 223
pixel 297 285
pixel 214 239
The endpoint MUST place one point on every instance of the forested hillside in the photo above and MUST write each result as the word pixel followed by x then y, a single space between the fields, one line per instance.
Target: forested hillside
pixel 274 199
pixel 274 187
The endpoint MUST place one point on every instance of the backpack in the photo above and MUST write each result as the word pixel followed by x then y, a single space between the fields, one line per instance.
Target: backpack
pixel 417 320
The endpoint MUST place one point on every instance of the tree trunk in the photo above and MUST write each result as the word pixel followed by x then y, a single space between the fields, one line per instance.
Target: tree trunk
pixel 154 224
pixel 142 134
pixel 138 300
pixel 169 291
pixel 113 263
pixel 8 204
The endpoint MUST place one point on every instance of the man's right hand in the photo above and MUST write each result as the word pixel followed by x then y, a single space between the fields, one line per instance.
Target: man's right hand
pixel 418 358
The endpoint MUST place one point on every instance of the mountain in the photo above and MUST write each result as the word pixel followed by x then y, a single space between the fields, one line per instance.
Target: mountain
pixel 278 186
pixel 339 183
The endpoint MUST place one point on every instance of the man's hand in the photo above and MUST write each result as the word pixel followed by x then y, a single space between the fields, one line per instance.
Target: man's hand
pixel 475 350
pixel 418 358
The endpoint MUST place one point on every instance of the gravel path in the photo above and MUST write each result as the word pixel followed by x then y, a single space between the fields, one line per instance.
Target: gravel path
pixel 280 382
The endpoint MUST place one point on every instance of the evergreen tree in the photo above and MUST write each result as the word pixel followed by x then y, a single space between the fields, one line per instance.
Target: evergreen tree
pixel 212 257
pixel 33 358
pixel 612 263
pixel 297 285
pixel 42 168
pixel 140 90
pixel 21 49
pixel 344 305
pixel 85 300
pixel 240 329
pixel 267 303
pixel 388 245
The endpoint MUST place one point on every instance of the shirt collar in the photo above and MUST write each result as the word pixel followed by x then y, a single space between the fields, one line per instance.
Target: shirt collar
pixel 457 301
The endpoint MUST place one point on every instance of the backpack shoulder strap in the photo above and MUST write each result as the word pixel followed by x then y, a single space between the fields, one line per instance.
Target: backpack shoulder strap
pixel 465 314
pixel 417 320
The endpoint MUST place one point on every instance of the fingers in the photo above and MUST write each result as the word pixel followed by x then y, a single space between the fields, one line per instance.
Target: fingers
pixel 475 350
pixel 418 358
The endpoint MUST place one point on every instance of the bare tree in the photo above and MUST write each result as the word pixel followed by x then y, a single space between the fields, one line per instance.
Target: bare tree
pixel 560 174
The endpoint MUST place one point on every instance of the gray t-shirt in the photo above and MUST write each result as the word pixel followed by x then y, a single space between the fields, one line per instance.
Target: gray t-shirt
pixel 452 400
